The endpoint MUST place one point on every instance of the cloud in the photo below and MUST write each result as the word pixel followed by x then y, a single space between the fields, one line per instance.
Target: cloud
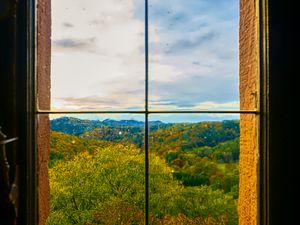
pixel 234 105
pixel 201 106
pixel 67 25
pixel 188 44
pixel 193 61
pixel 193 53
pixel 187 92
pixel 111 102
pixel 100 64
pixel 68 43
pixel 192 118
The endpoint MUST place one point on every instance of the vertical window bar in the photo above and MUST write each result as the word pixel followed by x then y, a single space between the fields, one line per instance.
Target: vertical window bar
pixel 263 203
pixel 146 170
pixel 146 117
pixel 146 58
pixel 31 120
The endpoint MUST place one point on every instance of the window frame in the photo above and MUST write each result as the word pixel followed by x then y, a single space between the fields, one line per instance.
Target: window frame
pixel 30 122
pixel 263 175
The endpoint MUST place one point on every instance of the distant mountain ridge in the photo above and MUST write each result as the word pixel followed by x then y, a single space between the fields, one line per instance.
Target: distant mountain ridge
pixel 179 136
pixel 111 122
pixel 75 126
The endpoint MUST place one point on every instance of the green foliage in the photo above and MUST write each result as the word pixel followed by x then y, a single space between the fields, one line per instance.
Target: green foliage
pixel 89 184
pixel 189 179
pixel 71 125
pixel 187 136
pixel 105 185
pixel 98 176
pixel 164 137
pixel 125 134
pixel 65 146
pixel 227 152
pixel 213 166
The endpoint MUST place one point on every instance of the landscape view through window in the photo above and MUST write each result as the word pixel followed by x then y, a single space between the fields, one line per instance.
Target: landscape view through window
pixel 97 171
pixel 100 166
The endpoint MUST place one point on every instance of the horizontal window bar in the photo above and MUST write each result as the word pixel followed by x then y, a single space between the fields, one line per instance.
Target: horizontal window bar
pixel 206 111
pixel 147 112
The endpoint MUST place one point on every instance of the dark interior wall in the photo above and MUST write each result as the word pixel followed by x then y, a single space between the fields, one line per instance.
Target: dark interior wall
pixel 16 117
pixel 7 69
pixel 7 107
pixel 283 117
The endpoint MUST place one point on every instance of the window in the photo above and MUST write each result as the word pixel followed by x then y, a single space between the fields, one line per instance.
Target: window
pixel 145 102
pixel 277 100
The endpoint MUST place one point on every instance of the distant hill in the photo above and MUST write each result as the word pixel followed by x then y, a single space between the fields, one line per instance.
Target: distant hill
pixel 164 137
pixel 204 153
pixel 75 126
pixel 187 136
pixel 110 122
pixel 70 125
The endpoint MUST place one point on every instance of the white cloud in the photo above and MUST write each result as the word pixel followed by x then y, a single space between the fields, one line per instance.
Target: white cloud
pixel 98 54
pixel 217 106
pixel 208 105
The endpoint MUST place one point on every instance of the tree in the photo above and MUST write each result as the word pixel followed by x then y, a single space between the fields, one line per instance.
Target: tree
pixel 106 186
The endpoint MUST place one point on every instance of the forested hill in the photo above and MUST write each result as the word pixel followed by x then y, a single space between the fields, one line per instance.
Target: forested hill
pixel 163 136
pixel 75 126
pixel 99 166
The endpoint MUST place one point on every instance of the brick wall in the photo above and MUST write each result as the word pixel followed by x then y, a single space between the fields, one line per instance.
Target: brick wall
pixel 43 92
pixel 249 69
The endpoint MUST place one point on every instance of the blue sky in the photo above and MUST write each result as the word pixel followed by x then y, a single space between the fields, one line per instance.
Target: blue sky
pixel 199 41
pixel 98 54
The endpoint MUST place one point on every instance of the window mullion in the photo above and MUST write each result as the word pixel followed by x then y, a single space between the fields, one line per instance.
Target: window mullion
pixel 146 115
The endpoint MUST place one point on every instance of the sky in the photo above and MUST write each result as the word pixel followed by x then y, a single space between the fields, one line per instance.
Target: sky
pixel 98 55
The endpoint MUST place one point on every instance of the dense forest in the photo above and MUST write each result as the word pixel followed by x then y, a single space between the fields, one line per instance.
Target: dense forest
pixel 97 172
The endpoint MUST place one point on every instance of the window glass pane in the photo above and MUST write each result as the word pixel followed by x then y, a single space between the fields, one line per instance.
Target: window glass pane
pixel 194 169
pixel 97 59
pixel 193 47
pixel 96 169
